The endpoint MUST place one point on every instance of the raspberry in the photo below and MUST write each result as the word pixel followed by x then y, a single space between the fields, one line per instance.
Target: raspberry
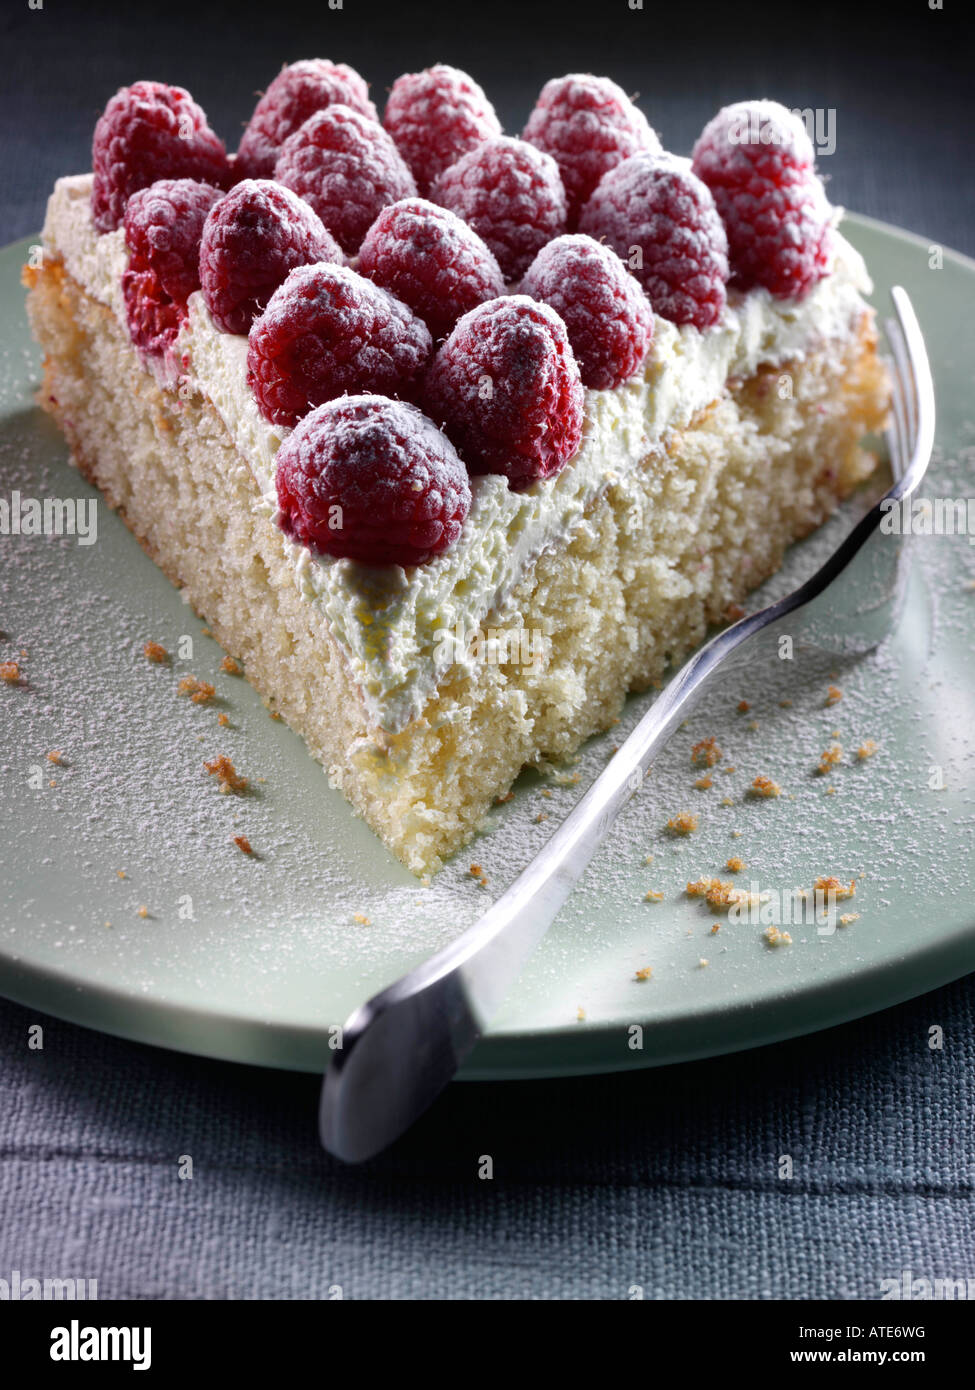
pixel 252 238
pixel 588 125
pixel 371 479
pixel 347 168
pixel 295 94
pixel 507 386
pixel 154 318
pixel 758 162
pixel 511 194
pixel 163 226
pixel 147 132
pixel 325 331
pixel 431 260
pixel 606 314
pixel 661 218
pixel 753 139
pixel 435 116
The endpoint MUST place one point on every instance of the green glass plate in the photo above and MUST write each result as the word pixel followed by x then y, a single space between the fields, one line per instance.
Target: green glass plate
pixel 126 905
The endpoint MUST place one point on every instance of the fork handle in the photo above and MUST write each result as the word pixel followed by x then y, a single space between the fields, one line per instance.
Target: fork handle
pixel 402 1047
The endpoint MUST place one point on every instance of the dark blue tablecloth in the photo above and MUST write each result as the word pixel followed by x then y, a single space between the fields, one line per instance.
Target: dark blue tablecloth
pixel 670 1180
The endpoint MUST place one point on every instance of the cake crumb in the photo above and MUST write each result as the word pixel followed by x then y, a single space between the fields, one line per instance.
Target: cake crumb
pixel 200 692
pixel 764 787
pixel 503 800
pixel 866 750
pixel 722 894
pixel 10 672
pixel 143 911
pixel 55 756
pixel 833 885
pixel 715 929
pixel 278 718
pixel 223 769
pixel 849 917
pixel 702 963
pixel 735 865
pixel 360 919
pixel 683 824
pixel 645 974
pixel 734 612
pixel 224 721
pixel 542 815
pixel 774 937
pixel 231 667
pixel 155 652
pixel 120 873
pixel 830 791
pixel 829 758
pixel 785 704
pixel 706 753
pixel 703 783
pixel 243 844
pixel 743 706
pixel 652 896
pixel 648 859
pixel 580 1014
pixel 727 801
pixel 566 779
pixel 834 695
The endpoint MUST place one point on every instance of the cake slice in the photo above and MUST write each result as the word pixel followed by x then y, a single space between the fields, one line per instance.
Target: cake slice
pixel 539 586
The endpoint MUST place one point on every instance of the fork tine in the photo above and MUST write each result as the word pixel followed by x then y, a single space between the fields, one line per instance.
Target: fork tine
pixel 908 396
pixel 897 435
pixel 917 370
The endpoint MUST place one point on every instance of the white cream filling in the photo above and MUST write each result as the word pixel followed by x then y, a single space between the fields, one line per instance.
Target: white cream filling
pixel 388 619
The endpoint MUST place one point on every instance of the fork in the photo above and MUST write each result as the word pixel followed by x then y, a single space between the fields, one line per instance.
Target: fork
pixel 401 1048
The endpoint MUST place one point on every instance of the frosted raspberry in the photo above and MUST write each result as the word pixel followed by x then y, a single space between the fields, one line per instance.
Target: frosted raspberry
pixel 511 194
pixel 758 162
pixel 347 168
pixel 147 132
pixel 252 238
pixel 326 331
pixel 431 260
pixel 154 318
pixel 435 116
pixel 753 139
pixel 661 219
pixel 588 125
pixel 507 387
pixel 296 93
pixel 606 314
pixel 163 227
pixel 371 479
